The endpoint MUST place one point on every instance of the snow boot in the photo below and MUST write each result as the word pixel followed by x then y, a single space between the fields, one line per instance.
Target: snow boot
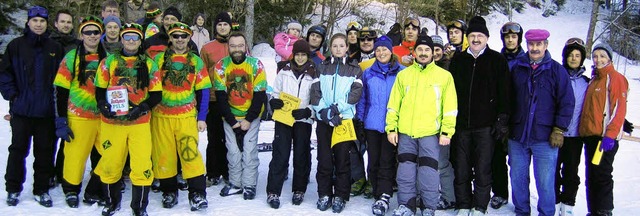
pixel 230 189
pixel 338 204
pixel 273 200
pixel 298 197
pixel 12 198
pixel 381 205
pixel 249 192
pixel 139 200
pixel 169 199
pixel 113 198
pixel 72 199
pixel 198 201
pixel 43 199
pixel 323 203
pixel 497 202
pixel 403 210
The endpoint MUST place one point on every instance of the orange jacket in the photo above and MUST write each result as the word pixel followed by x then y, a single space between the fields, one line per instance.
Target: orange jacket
pixel 594 121
pixel 211 53
pixel 405 48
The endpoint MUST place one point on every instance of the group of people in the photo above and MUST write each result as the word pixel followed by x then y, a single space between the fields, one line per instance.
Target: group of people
pixel 436 120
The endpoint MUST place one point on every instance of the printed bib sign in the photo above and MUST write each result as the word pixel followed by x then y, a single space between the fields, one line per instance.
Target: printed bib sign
pixel 118 97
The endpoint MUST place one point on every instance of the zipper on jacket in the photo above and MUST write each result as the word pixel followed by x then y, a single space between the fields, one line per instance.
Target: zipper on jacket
pixel 333 84
pixel 473 72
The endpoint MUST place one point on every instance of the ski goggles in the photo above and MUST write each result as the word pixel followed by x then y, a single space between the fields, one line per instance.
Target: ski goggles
pixel 457 24
pixel 511 27
pixel 38 11
pixel 353 26
pixel 131 37
pixel 412 21
pixel 367 34
pixel 575 41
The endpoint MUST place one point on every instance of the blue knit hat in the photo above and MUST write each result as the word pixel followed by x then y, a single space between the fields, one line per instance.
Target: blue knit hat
pixel 112 18
pixel 437 41
pixel 383 41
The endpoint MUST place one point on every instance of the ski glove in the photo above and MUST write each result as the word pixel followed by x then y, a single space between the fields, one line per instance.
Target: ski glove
pixel 137 110
pixel 500 129
pixel 301 113
pixel 105 109
pixel 328 115
pixel 607 144
pixel 276 103
pixel 239 138
pixel 557 137
pixel 627 127
pixel 62 129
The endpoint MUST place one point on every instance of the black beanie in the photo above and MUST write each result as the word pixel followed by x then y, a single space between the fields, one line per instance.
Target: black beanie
pixel 424 40
pixel 172 11
pixel 478 24
pixel 568 49
pixel 301 46
pixel 222 17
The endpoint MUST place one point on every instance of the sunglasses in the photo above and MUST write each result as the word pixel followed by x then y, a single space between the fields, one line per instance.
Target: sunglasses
pixel 367 39
pixel 131 37
pixel 178 36
pixel 38 11
pixel 576 41
pixel 91 32
pixel 511 28
pixel 457 23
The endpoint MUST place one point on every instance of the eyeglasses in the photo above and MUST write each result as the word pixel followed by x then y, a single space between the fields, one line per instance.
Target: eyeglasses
pixel 511 27
pixel 576 41
pixel 411 21
pixel 178 36
pixel 457 23
pixel 91 32
pixel 38 11
pixel 131 37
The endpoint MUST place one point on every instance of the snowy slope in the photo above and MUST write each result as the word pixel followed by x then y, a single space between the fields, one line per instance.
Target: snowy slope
pixel 569 23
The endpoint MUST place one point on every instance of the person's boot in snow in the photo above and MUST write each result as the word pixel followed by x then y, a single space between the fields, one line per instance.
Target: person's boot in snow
pixel 323 203
pixel 273 200
pixel 72 199
pixel 113 198
pixel 169 199
pixel 43 199
pixel 249 192
pixel 497 202
pixel 403 210
pixel 198 201
pixel 230 189
pixel 381 205
pixel 140 200
pixel 298 197
pixel 12 198
pixel 338 204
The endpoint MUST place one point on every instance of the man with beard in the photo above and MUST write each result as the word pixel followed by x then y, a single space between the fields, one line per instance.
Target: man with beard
pixel 542 107
pixel 316 36
pixel 481 76
pixel 212 52
pixel 240 84
pixel 418 147
pixel 26 80
pixel 63 33
pixel 111 39
pixel 176 120
pixel 160 41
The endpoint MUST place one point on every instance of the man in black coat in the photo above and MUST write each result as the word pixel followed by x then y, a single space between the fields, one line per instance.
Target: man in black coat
pixel 26 80
pixel 482 80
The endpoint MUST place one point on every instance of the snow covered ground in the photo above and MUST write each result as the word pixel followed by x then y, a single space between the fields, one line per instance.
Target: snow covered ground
pixel 572 22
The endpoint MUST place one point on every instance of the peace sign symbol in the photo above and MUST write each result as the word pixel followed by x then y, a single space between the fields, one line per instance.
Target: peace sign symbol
pixel 188 148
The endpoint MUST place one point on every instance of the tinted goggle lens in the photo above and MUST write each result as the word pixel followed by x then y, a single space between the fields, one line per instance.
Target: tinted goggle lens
pixel 576 41
pixel 38 12
pixel 511 28
pixel 134 37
